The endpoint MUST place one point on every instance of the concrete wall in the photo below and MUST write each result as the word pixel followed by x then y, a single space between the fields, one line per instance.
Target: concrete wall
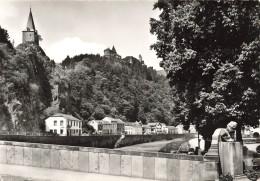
pixel 159 166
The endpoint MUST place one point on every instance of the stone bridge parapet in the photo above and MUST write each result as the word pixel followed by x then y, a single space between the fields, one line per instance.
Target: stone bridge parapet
pixel 149 165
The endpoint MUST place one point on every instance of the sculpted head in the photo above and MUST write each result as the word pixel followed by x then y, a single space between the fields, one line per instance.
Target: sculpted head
pixel 231 126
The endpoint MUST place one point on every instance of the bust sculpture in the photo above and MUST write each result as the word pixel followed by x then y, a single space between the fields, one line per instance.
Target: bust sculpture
pixel 228 134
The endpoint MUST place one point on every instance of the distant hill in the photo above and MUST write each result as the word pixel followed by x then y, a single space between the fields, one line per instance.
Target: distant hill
pixel 92 86
pixel 161 72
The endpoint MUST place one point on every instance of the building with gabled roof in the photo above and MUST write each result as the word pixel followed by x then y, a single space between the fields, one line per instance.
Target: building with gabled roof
pixel 111 53
pixel 146 129
pixel 171 130
pixel 118 126
pixel 133 128
pixel 63 125
pixel 30 34
pixel 156 127
pixel 129 128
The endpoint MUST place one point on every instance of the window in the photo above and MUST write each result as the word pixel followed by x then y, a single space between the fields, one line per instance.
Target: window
pixel 74 123
pixel 61 123
pixel 61 131
pixel 55 123
pixel 55 130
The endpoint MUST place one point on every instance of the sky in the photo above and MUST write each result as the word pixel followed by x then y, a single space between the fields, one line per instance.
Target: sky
pixel 79 27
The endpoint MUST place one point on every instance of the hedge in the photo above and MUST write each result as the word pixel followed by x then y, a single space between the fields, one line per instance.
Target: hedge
pixel 85 141
pixel 104 141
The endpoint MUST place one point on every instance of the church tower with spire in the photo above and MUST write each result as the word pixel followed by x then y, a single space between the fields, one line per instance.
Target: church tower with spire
pixel 30 34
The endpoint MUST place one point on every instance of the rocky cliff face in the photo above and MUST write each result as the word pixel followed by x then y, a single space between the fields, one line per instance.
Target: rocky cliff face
pixel 25 87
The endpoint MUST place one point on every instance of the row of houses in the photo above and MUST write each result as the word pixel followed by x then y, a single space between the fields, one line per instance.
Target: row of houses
pixel 108 126
pixel 67 125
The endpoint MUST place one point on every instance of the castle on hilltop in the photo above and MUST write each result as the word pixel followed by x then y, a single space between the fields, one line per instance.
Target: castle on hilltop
pixel 30 34
pixel 111 53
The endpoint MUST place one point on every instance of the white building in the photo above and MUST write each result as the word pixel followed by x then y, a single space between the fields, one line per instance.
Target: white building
pixel 164 128
pixel 180 129
pixel 138 128
pixel 97 125
pixel 63 125
pixel 171 130
pixel 129 128
pixel 146 129
pixel 192 129
pixel 156 128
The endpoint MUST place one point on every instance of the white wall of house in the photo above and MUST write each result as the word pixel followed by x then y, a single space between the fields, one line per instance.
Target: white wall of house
pixel 192 129
pixel 94 124
pixel 56 125
pixel 129 129
pixel 137 130
pixel 59 125
pixel 180 129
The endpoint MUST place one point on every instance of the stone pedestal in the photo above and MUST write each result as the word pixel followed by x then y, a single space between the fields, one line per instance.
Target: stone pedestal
pixel 231 157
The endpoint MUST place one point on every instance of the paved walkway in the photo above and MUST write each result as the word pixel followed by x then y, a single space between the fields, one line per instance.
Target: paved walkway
pixel 25 173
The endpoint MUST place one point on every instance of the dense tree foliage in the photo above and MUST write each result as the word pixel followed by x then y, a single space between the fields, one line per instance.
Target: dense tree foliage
pixel 4 37
pixel 94 87
pixel 210 51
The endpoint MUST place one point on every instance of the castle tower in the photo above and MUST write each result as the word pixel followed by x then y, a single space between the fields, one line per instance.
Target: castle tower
pixel 30 34
pixel 140 58
pixel 113 49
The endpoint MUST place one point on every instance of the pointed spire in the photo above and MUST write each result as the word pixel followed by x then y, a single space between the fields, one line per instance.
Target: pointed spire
pixel 30 23
pixel 113 49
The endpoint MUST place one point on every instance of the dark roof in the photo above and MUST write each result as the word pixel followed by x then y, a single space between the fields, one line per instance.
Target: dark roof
pixel 113 119
pixel 134 124
pixel 30 22
pixel 66 116
pixel 146 126
pixel 105 122
pixel 128 124
pixel 170 126
pixel 153 124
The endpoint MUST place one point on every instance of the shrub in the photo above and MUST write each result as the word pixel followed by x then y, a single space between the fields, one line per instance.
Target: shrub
pixel 252 174
pixel 173 146
pixel 225 177
pixel 258 149
pixel 256 135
